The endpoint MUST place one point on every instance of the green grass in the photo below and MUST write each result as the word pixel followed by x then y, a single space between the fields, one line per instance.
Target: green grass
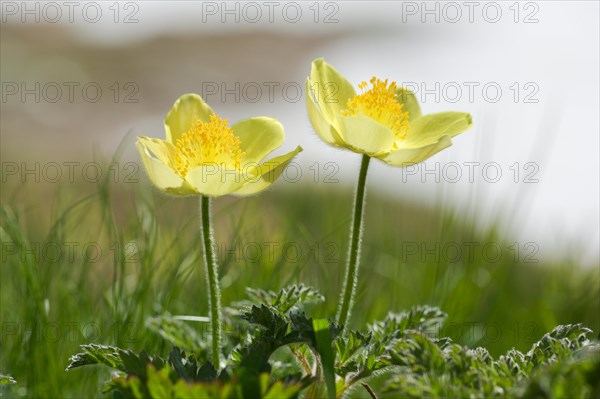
pixel 151 263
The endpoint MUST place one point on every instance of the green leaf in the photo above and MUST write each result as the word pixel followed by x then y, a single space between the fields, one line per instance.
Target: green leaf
pixel 302 329
pixel 420 318
pixel 417 352
pixel 117 358
pixel 397 341
pixel 161 384
pixel 513 364
pixel 177 333
pixel 277 329
pixel 286 298
pixel 575 377
pixel 349 345
pixel 558 343
pixel 278 389
pixel 188 368
pixel 564 364
pixel 273 322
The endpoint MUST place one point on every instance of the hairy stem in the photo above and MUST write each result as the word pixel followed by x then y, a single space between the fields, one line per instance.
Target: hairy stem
pixel 369 390
pixel 351 276
pixel 212 277
pixel 302 360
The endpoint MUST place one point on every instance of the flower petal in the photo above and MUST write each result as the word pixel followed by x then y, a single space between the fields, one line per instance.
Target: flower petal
pixel 258 137
pixel 162 149
pixel 411 156
pixel 365 135
pixel 266 173
pixel 331 90
pixel 323 128
pixel 428 129
pixel 160 174
pixel 214 180
pixel 184 112
pixel 411 104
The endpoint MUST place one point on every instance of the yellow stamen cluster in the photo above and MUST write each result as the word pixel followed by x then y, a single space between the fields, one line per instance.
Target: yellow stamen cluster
pixel 380 103
pixel 207 143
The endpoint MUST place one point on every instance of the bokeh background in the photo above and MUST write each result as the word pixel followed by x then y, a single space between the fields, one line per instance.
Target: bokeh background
pixel 527 72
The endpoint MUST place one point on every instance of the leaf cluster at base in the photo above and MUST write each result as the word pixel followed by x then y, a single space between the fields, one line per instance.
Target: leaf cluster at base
pixel 273 352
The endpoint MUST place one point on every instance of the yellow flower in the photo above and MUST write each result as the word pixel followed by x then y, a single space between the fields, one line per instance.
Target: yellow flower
pixel 202 155
pixel 384 121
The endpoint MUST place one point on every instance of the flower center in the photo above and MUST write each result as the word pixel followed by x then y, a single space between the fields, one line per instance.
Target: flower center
pixel 380 103
pixel 207 143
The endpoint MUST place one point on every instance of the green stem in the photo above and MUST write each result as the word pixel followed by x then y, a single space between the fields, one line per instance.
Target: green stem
pixel 351 276
pixel 212 276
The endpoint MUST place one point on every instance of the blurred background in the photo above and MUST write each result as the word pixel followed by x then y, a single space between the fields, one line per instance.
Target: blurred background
pixel 81 80
pixel 526 72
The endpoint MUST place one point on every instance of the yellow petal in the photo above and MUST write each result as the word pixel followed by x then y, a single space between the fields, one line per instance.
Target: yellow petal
pixel 331 90
pixel 323 128
pixel 266 173
pixel 428 129
pixel 411 104
pixel 162 149
pixel 214 180
pixel 411 156
pixel 258 137
pixel 365 135
pixel 184 113
pixel 161 175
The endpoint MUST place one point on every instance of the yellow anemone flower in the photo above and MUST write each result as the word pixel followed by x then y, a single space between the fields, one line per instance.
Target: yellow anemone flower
pixel 202 155
pixel 384 121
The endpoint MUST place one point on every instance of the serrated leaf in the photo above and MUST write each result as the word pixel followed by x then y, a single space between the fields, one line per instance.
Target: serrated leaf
pixel 425 319
pixel 302 329
pixel 349 345
pixel 465 372
pixel 121 359
pixel 417 352
pixel 161 384
pixel 97 354
pixel 574 332
pixel 557 344
pixel 177 332
pixel 287 298
pixel 188 368
pixel 277 329
pixel 513 364
pixel 574 377
pixel 206 372
pixel 273 323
